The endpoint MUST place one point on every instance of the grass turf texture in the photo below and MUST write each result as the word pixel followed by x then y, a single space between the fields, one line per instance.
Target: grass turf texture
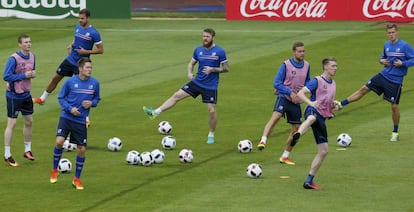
pixel 145 62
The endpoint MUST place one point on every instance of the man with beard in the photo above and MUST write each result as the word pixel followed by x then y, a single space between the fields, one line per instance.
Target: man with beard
pixel 86 36
pixel 212 61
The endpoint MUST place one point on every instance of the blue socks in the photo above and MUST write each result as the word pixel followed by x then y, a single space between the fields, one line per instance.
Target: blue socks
pixel 344 102
pixel 310 178
pixel 79 166
pixel 395 128
pixel 57 154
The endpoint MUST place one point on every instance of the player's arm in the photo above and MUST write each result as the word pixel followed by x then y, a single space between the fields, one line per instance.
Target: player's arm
pixel 69 47
pixel 9 74
pixel 98 50
pixel 279 79
pixel 190 68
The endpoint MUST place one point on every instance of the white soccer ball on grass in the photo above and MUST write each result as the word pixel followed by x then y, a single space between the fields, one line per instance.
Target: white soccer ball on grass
pixel 164 127
pixel 65 166
pixel 114 144
pixel 254 170
pixel 344 140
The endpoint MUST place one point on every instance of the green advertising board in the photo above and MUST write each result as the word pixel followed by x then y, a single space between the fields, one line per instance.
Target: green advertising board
pixel 60 9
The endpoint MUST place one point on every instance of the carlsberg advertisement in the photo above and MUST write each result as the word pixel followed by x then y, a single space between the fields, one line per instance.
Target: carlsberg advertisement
pixel 60 9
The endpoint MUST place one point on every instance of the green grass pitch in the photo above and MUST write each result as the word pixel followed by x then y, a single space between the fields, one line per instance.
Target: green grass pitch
pixel 145 62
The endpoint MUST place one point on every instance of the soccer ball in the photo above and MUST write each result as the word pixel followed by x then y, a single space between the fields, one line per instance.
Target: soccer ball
pixel 146 159
pixel 245 146
pixel 114 144
pixel 344 140
pixel 164 127
pixel 254 170
pixel 168 142
pixel 67 146
pixel 158 156
pixel 65 166
pixel 186 155
pixel 133 157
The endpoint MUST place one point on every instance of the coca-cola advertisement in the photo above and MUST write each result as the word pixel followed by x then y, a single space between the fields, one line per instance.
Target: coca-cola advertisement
pixel 321 10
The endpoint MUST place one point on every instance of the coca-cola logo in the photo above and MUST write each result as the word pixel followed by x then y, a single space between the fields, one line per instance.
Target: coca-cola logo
pixel 283 8
pixel 391 8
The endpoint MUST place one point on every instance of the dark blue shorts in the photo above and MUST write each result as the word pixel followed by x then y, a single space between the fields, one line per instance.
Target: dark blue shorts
pixel 14 106
pixel 208 96
pixel 319 130
pixel 292 111
pixel 380 85
pixel 78 132
pixel 66 69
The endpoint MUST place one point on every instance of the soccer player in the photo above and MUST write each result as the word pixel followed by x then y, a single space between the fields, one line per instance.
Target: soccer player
pixel 212 62
pixel 291 77
pixel 86 36
pixel 18 73
pixel 78 94
pixel 396 57
pixel 322 91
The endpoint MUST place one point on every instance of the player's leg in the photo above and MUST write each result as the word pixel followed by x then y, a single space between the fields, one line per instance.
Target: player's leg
pixel 13 108
pixel 212 122
pixel 62 131
pixel 278 111
pixel 268 129
pixel 27 134
pixel 285 155
pixel 79 136
pixel 358 94
pixel 80 160
pixel 65 69
pixel 310 119
pixel 316 164
pixel 57 155
pixel 8 135
pixel 169 103
pixel 321 138
pixel 392 93
pixel 27 112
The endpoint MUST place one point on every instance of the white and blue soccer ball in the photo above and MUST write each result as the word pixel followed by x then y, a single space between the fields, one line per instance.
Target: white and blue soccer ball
pixel 344 140
pixel 146 159
pixel 158 156
pixel 254 170
pixel 114 144
pixel 64 166
pixel 133 157
pixel 67 146
pixel 164 127
pixel 186 156
pixel 245 146
pixel 168 142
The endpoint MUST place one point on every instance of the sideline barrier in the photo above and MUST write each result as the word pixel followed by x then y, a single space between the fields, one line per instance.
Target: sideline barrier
pixel 60 9
pixel 321 10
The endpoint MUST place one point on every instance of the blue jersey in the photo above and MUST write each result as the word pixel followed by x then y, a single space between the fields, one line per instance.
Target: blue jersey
pixel 84 38
pixel 73 92
pixel 212 57
pixel 400 50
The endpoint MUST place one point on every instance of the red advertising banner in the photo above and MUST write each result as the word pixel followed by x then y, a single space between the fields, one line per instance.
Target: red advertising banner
pixel 321 10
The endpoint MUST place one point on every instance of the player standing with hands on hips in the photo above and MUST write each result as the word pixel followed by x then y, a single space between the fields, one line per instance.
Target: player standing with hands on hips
pixel 82 46
pixel 396 57
pixel 322 91
pixel 19 71
pixel 78 94
pixel 212 62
